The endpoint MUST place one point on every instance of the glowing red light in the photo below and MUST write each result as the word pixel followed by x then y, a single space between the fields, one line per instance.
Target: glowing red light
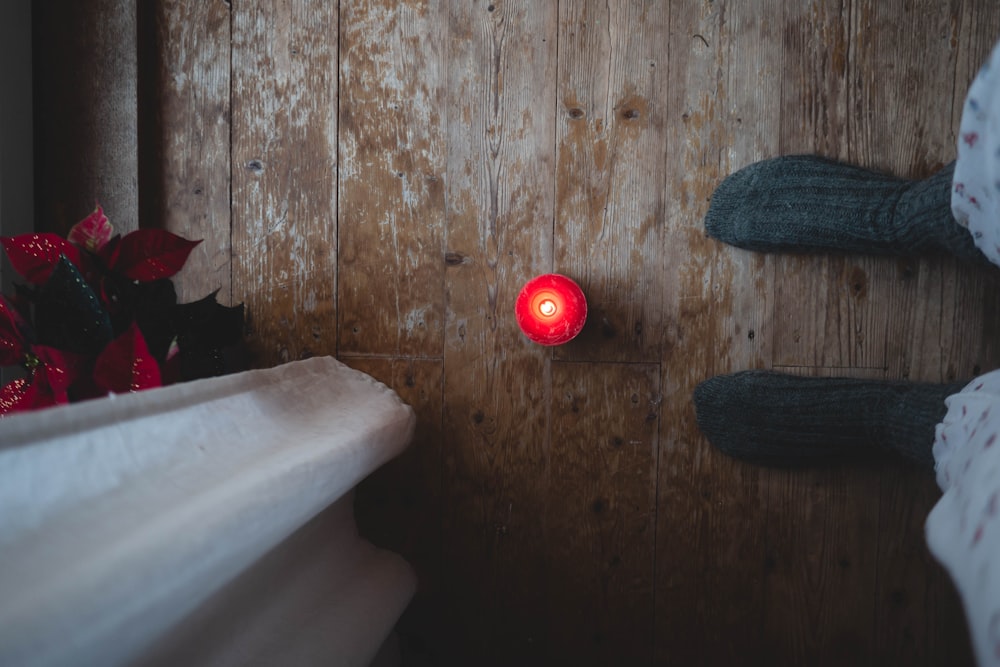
pixel 551 309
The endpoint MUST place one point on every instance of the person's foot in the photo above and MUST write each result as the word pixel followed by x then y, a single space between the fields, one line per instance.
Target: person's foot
pixel 809 203
pixel 779 419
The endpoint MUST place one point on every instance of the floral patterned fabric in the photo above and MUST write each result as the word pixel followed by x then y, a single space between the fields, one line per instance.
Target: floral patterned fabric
pixel 975 197
pixel 963 529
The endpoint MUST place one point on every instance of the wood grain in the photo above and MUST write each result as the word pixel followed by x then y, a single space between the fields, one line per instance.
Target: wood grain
pixel 822 525
pixel 601 512
pixel 611 155
pixel 500 200
pixel 392 186
pixel 820 567
pixel 710 509
pixel 918 616
pixel 184 148
pixel 284 153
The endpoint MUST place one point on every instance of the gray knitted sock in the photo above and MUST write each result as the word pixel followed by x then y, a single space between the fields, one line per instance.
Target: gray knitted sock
pixel 779 419
pixel 809 203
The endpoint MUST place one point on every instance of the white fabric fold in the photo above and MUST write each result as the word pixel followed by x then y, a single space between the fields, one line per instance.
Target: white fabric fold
pixel 120 516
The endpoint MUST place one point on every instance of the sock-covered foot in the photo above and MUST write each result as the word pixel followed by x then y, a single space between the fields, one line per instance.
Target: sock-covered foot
pixel 778 419
pixel 809 203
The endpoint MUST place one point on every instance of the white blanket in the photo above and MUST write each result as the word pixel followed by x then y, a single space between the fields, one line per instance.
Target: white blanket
pixel 122 517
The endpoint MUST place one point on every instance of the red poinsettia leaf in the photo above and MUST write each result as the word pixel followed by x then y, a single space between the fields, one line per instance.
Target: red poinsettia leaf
pixel 150 254
pixel 17 396
pixel 12 347
pixel 35 255
pixel 126 364
pixel 28 394
pixel 93 232
pixel 60 368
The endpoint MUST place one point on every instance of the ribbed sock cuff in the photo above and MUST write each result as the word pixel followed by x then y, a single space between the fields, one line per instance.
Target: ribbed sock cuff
pixel 813 204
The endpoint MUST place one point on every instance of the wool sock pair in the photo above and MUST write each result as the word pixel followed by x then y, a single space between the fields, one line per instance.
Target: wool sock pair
pixel 808 203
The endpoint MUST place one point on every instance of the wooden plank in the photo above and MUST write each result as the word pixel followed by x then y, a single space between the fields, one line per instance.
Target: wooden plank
pixel 943 325
pixel 897 76
pixel 711 509
pixel 393 72
pixel 502 75
pixel 85 112
pixel 947 320
pixel 184 136
pixel 830 311
pixel 820 567
pixel 825 317
pixel 610 172
pixel 822 527
pixel 399 506
pixel 919 618
pixel 284 149
pixel 743 282
pixel 943 308
pixel 906 131
pixel 601 512
pixel 821 558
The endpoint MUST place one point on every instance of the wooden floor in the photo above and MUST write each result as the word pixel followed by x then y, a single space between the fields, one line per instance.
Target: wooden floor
pixel 376 180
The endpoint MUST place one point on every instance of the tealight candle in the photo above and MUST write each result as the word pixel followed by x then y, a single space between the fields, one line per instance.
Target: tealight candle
pixel 551 309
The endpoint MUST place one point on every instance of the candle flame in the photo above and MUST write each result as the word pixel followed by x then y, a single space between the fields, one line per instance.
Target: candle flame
pixel 547 307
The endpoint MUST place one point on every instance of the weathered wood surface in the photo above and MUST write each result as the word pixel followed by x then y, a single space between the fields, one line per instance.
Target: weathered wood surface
pixel 393 69
pixel 184 136
pixel 611 143
pixel 711 511
pixel 398 170
pixel 284 175
pixel 600 512
pixel 497 449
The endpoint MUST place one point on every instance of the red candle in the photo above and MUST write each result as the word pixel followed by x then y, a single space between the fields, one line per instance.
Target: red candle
pixel 551 309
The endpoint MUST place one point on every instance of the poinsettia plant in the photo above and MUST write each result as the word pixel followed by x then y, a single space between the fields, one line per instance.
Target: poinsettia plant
pixel 99 315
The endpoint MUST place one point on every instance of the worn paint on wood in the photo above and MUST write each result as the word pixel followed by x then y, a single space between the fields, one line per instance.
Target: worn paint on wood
pixel 710 510
pixel 500 202
pixel 185 131
pixel 611 155
pixel 284 153
pixel 393 69
pixel 601 512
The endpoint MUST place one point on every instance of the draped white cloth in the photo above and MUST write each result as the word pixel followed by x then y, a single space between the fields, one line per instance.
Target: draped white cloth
pixel 209 522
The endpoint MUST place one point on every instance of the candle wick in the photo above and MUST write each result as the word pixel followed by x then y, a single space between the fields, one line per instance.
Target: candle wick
pixel 547 307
